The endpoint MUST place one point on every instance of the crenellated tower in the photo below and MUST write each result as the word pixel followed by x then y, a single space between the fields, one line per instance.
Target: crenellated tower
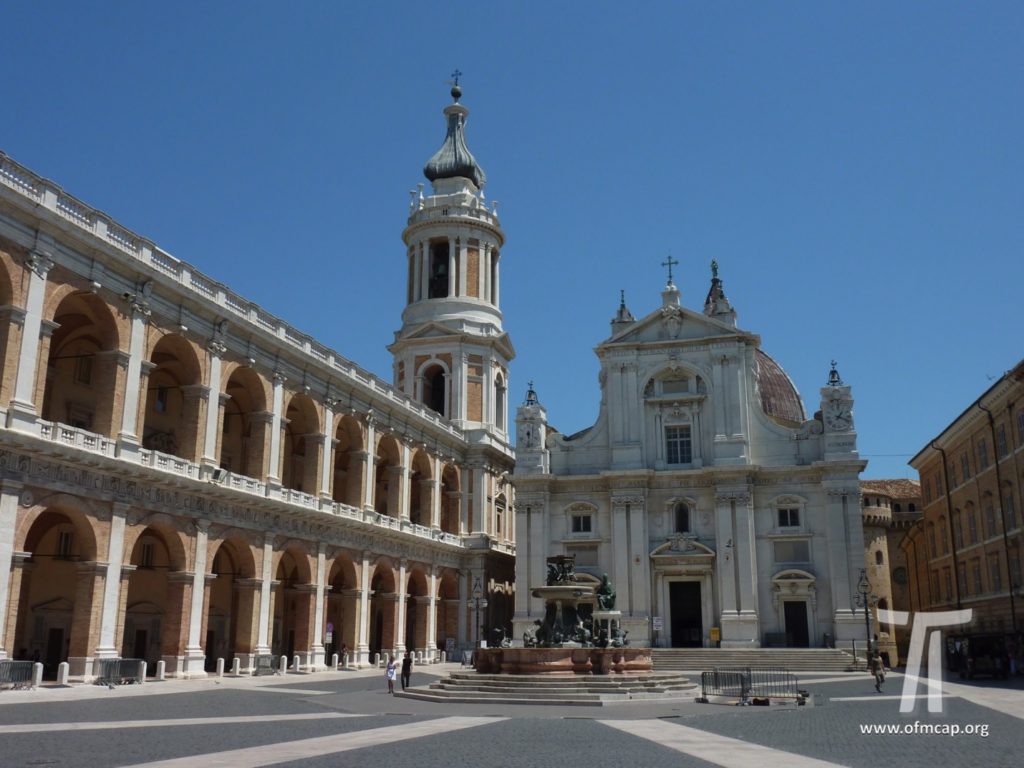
pixel 452 353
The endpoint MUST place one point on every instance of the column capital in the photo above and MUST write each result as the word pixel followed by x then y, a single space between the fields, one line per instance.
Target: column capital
pixel 39 262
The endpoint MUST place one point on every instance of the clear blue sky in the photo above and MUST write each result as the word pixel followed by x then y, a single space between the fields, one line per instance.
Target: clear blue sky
pixel 855 168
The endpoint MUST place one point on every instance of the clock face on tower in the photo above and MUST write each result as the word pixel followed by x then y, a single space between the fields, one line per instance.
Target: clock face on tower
pixel 838 416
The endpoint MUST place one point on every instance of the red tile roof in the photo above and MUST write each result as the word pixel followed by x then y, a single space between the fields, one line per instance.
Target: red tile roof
pixel 894 489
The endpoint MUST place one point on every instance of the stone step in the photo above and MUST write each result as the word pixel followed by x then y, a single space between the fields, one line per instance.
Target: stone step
pixel 792 659
pixel 566 690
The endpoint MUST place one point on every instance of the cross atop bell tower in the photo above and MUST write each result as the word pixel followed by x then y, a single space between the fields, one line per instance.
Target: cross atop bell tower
pixel 452 353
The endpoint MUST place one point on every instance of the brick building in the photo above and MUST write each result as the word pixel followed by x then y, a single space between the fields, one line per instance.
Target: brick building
pixel 966 550
pixel 185 477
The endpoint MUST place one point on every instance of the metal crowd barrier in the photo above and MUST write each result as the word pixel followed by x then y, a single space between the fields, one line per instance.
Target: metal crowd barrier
pixel 17 674
pixel 748 683
pixel 265 665
pixel 119 671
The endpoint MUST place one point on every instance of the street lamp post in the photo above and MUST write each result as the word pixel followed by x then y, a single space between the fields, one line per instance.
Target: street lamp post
pixel 864 587
pixel 479 602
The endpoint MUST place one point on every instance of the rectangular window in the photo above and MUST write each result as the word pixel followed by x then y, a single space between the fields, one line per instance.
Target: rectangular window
pixel 936 597
pixel 995 573
pixel 581 524
pixel 1015 571
pixel 1011 512
pixel 1002 447
pixel 927 490
pixel 972 526
pixel 147 554
pixel 65 541
pixel 1020 428
pixel 678 449
pixel 961 579
pixel 947 577
pixel 83 370
pixel 965 468
pixel 792 552
pixel 976 575
pixel 990 518
pixel 982 455
pixel 958 530
pixel 939 489
pixel 789 518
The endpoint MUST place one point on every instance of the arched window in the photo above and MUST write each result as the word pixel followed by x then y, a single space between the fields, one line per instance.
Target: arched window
pixel 499 402
pixel 879 558
pixel 682 521
pixel 437 286
pixel 435 395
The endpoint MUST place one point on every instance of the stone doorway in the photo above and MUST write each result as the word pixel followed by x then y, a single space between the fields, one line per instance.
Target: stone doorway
pixel 685 609
pixel 797 633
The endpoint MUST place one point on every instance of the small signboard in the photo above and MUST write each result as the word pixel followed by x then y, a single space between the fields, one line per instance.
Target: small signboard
pixel 656 624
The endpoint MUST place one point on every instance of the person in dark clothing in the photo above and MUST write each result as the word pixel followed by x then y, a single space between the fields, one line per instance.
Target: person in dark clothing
pixel 406 669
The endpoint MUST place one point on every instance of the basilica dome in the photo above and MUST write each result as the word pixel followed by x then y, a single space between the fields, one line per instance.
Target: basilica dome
pixel 779 398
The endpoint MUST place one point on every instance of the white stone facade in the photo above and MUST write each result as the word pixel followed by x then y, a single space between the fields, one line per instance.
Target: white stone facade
pixel 701 490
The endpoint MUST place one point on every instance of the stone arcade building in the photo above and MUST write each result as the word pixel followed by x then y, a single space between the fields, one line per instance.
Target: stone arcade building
pixel 184 477
pixel 702 490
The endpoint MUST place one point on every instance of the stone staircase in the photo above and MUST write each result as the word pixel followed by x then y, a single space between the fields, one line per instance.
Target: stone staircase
pixel 792 659
pixel 567 690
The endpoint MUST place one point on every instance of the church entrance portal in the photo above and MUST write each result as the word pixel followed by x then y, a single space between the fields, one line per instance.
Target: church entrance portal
pixel 797 635
pixel 685 613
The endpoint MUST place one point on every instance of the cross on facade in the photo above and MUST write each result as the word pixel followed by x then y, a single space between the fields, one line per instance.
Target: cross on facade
pixel 670 263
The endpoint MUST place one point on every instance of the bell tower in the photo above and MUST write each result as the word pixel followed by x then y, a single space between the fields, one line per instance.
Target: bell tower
pixel 451 353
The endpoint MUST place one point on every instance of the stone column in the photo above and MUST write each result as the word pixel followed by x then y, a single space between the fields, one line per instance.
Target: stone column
pixel 317 660
pixel 369 478
pixel 249 594
pixel 362 648
pixel 726 565
pixel 23 411
pixel 133 380
pixel 457 410
pixel 431 646
pixel 327 453
pixel 399 644
pixel 743 630
pixel 194 662
pixel 274 468
pixel 10 492
pixel 107 647
pixel 481 508
pixel 483 256
pixel 845 558
pixel 404 484
pixel 215 402
pixel 424 270
pixel 453 265
pixel 495 278
pixel 435 499
pixel 266 583
pixel 465 474
pixel 621 569
pixel 20 566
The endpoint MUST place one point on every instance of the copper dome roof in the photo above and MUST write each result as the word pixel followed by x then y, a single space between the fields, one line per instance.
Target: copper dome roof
pixel 779 398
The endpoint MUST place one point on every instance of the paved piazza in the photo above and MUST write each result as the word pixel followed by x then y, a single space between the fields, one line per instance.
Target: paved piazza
pixel 348 719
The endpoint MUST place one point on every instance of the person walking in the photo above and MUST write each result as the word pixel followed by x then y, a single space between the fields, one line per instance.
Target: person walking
pixel 877 669
pixel 406 669
pixel 389 673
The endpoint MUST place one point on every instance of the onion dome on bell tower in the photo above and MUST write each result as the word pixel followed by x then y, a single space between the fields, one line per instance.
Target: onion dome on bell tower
pixel 454 160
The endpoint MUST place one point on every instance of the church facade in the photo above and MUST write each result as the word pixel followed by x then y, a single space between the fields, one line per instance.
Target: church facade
pixel 720 512
pixel 185 477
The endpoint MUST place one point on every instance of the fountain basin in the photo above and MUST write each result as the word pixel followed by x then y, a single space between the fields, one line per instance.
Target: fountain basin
pixel 563 661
